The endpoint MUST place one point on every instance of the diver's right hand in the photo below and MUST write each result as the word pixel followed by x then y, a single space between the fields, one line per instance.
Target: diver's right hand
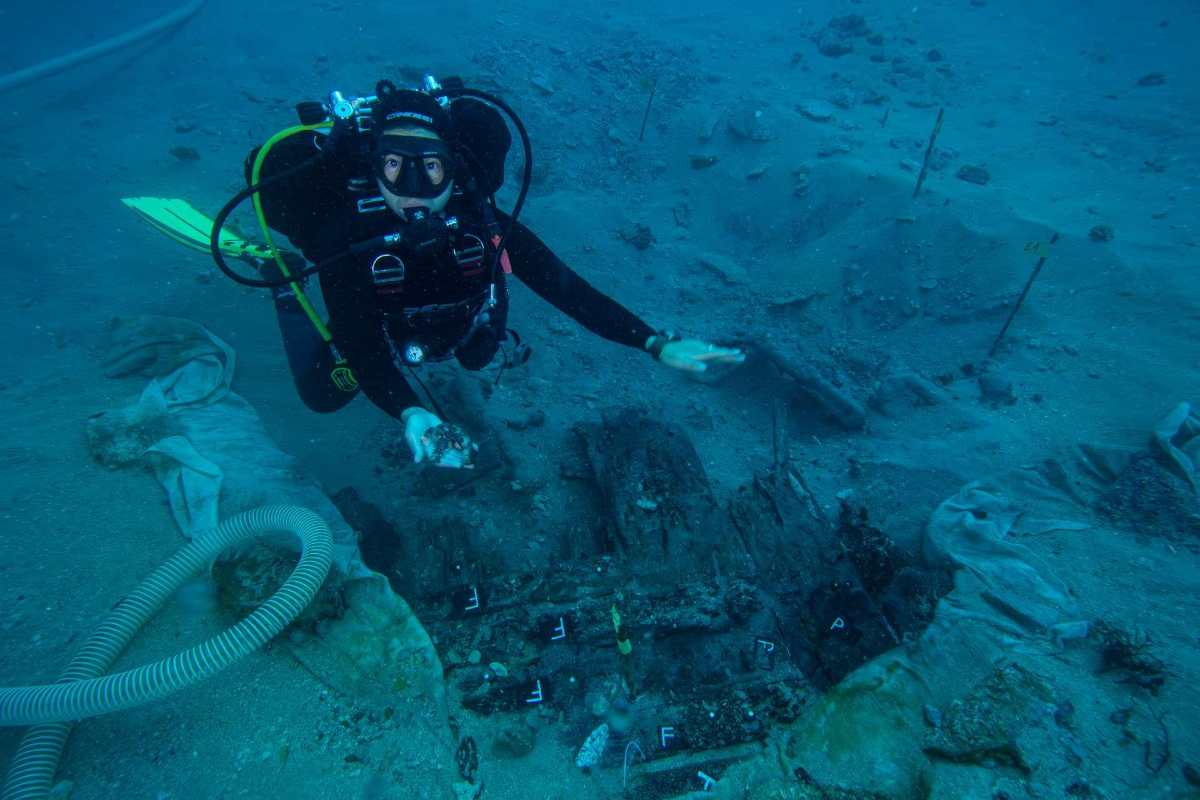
pixel 437 442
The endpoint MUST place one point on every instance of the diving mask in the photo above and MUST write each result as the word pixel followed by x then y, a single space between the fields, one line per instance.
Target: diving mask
pixel 413 166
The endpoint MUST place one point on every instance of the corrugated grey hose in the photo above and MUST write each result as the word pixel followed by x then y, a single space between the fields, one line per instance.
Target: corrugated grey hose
pixel 81 692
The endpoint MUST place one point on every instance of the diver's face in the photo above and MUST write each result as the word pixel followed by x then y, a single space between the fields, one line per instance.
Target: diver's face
pixel 434 167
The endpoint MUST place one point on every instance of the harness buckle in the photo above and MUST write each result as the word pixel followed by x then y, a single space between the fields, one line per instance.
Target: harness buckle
pixel 387 272
pixel 369 205
pixel 470 256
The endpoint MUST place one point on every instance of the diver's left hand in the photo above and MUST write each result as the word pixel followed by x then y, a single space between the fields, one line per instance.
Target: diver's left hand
pixel 693 355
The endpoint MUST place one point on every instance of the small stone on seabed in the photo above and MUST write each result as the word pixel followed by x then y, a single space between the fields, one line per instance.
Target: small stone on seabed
pixel 816 110
pixel 973 174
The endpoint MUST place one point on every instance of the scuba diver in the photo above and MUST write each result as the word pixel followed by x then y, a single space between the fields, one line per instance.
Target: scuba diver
pixel 391 201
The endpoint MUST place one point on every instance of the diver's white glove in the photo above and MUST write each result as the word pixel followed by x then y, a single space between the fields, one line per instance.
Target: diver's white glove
pixel 691 355
pixel 437 442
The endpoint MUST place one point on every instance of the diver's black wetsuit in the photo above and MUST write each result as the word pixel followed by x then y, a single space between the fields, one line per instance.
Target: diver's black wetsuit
pixel 433 304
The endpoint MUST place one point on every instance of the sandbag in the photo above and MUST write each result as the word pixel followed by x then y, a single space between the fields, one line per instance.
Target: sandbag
pixel 1178 436
pixel 999 581
pixel 207 446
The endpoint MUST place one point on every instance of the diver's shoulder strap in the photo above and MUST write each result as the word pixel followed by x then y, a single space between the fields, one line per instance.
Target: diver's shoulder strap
pixel 495 233
pixel 488 213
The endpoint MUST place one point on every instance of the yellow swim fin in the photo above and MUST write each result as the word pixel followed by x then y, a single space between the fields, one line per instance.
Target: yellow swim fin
pixel 191 228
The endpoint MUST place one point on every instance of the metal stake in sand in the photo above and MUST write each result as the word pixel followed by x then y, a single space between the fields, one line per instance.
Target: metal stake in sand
pixel 646 115
pixel 937 128
pixel 1043 252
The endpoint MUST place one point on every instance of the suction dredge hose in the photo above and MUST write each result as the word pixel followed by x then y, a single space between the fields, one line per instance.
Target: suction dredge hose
pixel 83 690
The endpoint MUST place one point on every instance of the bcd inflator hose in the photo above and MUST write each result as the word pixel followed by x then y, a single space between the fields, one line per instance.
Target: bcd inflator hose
pixel 84 690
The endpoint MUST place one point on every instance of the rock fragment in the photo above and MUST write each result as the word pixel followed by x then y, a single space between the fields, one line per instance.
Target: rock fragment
pixel 593 748
pixel 816 110
pixel 833 46
pixel 837 146
pixel 636 234
pixel 973 174
pixel 836 38
pixel 747 123
pixel 515 740
pixel 729 271
pixel 542 85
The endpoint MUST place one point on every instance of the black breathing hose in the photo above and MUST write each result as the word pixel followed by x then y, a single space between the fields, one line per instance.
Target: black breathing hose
pixel 214 241
pixel 526 172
